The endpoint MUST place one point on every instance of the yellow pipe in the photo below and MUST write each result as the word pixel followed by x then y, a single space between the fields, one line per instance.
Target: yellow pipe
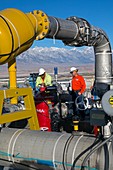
pixel 12 77
pixel 12 73
pixel 17 33
pixel 19 30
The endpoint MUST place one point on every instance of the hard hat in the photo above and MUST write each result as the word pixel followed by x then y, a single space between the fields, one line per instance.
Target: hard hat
pixel 73 69
pixel 41 71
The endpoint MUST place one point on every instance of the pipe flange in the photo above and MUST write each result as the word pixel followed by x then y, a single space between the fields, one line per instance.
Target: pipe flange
pixel 83 35
pixel 44 22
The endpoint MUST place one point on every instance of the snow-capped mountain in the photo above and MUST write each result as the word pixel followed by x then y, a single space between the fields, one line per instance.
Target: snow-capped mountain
pixel 45 55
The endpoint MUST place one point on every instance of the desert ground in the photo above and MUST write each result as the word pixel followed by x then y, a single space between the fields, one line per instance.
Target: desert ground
pixel 24 70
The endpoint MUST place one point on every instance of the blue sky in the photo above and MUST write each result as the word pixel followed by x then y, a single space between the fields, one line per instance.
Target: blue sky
pixel 98 13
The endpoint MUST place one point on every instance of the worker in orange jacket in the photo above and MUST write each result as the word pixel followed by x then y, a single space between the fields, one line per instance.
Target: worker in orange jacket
pixel 78 86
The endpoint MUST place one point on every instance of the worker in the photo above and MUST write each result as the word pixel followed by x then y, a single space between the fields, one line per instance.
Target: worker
pixel 78 86
pixel 43 78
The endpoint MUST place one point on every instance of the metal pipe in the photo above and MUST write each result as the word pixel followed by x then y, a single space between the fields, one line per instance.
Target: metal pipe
pixel 78 32
pixel 25 149
pixel 73 32
pixel 18 31
pixel 12 77
pixel 62 29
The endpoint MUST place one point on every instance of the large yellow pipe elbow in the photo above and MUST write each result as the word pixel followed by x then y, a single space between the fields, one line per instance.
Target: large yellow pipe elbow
pixel 18 31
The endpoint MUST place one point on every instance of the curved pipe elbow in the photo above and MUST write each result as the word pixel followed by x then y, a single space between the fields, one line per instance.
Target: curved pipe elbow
pixel 93 36
pixel 78 32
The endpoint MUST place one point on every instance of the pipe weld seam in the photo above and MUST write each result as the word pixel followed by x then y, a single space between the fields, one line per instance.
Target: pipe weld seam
pixel 54 149
pixel 78 140
pixel 36 23
pixel 10 142
pixel 103 45
pixel 14 29
pixel 57 27
pixel 103 53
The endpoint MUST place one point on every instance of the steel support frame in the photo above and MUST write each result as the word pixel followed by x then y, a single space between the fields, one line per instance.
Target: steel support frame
pixel 28 113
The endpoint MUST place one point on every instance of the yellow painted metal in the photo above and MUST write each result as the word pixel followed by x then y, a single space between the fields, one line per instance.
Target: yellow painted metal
pixel 111 100
pixel 12 73
pixel 18 31
pixel 40 20
pixel 28 113
pixel 12 77
pixel 75 122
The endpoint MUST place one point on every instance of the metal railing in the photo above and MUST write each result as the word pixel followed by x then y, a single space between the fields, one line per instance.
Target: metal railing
pixel 60 79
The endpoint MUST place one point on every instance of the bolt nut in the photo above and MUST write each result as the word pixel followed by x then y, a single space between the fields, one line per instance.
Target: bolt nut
pixel 37 12
pixel 43 33
pixel 46 27
pixel 42 14
pixel 45 20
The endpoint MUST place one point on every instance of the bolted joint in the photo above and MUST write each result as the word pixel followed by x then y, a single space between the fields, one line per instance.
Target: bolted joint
pixel 43 27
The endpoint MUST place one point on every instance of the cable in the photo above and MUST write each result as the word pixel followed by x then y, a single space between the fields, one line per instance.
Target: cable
pixel 106 165
pixel 75 147
pixel 11 36
pixel 25 43
pixel 93 150
pixel 65 150
pixel 83 152
pixel 13 51
pixel 57 29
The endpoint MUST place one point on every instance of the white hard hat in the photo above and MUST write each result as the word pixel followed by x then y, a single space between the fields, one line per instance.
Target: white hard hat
pixel 73 69
pixel 41 71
